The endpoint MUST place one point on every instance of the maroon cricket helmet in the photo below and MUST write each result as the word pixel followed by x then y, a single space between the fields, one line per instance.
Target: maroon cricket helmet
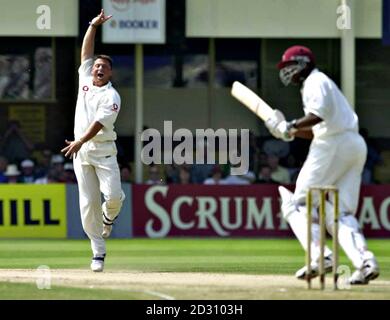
pixel 297 54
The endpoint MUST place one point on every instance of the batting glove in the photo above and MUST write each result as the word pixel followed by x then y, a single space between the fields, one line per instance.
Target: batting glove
pixel 274 121
pixel 285 130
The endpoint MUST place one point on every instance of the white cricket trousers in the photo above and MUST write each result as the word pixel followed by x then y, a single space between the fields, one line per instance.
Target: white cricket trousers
pixel 96 175
pixel 339 161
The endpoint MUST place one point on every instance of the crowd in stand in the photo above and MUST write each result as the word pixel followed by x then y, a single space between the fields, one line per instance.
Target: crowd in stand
pixel 264 168
pixel 21 163
pixel 47 169
pixel 271 161
pixel 42 166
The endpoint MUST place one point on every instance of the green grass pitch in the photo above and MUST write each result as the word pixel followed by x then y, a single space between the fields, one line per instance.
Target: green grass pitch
pixel 152 269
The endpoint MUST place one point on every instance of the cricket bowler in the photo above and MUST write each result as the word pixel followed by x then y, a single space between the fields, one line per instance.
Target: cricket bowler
pixel 93 149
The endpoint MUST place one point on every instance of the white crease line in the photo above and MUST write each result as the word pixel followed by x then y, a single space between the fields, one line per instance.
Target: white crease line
pixel 152 293
pixel 160 295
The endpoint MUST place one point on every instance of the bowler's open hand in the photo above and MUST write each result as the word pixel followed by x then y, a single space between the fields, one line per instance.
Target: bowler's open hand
pixel 100 19
pixel 72 148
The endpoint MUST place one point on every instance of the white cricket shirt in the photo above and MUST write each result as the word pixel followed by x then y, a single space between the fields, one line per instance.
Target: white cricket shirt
pixel 94 103
pixel 322 97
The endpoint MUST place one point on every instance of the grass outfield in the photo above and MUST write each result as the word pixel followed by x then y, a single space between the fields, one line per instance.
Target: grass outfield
pixel 166 268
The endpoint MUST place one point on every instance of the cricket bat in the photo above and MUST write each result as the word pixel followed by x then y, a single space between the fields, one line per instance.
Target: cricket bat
pixel 252 101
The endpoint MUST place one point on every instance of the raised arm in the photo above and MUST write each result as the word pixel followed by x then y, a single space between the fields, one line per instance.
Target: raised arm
pixel 87 49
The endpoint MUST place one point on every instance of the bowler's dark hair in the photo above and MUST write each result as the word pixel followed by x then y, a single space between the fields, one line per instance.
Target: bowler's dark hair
pixel 104 57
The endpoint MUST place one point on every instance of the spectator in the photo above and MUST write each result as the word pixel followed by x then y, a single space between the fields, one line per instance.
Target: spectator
pixel 184 175
pixel 293 167
pixel 276 147
pixel 154 175
pixel 171 173
pixel 3 167
pixel 265 175
pixel 57 164
pixel 262 159
pixel 27 167
pixel 69 175
pixel 51 177
pixel 279 173
pixel 56 172
pixel 12 173
pixel 15 146
pixel 244 179
pixel 126 173
pixel 216 176
pixel 44 162
pixel 200 172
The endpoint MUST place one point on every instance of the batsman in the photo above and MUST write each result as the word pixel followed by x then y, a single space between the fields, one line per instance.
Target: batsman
pixel 336 157
pixel 93 149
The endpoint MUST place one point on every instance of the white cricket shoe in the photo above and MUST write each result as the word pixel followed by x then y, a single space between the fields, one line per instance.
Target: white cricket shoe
pixel 357 278
pixel 301 274
pixel 369 271
pixel 97 264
